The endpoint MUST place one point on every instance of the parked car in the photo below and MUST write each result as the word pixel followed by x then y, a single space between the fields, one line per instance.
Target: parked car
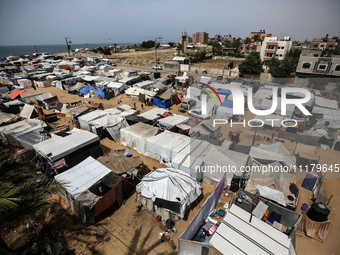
pixel 158 67
pixel 188 103
pixel 198 114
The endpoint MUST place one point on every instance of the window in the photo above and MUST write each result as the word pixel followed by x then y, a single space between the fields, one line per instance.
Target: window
pixel 322 67
pixel 277 55
pixel 316 55
pixel 280 55
pixel 337 68
pixel 278 47
pixel 322 45
pixel 306 65
pixel 282 47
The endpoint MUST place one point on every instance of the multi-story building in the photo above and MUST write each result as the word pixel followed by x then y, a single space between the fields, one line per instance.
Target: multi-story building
pixel 227 38
pixel 200 37
pixel 312 63
pixel 249 47
pixel 272 47
pixel 324 43
pixel 262 34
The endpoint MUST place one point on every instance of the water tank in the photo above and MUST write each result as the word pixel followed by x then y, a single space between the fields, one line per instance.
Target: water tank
pixel 318 212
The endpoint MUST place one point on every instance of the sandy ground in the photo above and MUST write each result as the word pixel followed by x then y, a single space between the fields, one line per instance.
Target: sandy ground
pixel 139 231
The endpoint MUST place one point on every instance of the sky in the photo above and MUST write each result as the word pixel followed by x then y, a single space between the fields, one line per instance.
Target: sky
pixel 39 22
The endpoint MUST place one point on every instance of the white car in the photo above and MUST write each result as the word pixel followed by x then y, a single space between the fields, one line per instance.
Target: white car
pixel 158 67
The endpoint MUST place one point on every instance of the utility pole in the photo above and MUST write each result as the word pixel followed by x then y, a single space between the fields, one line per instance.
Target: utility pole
pixel 159 38
pixel 35 46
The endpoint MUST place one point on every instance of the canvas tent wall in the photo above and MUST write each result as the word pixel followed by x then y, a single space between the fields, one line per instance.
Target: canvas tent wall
pixel 336 143
pixel 134 93
pixel 219 161
pixel 225 111
pixel 91 190
pixel 153 114
pixel 134 136
pixel 160 147
pixel 189 157
pixel 326 103
pixel 8 118
pixel 24 133
pixel 30 96
pixel 40 98
pixel 74 147
pixel 91 116
pixel 50 103
pixel 170 189
pixel 205 129
pixel 28 112
pixel 110 124
pixel 173 120
pixel 186 244
pixel 273 152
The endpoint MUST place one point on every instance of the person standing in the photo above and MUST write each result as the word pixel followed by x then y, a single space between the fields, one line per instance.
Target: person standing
pixel 142 106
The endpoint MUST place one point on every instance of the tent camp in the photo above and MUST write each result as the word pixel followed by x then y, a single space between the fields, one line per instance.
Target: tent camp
pixel 40 98
pixel 77 87
pixel 134 93
pixel 167 192
pixel 50 103
pixel 205 129
pixel 24 133
pixel 153 114
pixel 30 96
pixel 108 126
pixel 160 147
pixel 225 111
pixel 75 147
pixel 13 106
pixel 86 118
pixel 91 190
pixel 173 120
pixel 134 136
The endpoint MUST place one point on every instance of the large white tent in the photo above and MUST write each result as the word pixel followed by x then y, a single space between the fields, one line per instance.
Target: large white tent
pixel 160 147
pixel 84 120
pixel 169 188
pixel 134 136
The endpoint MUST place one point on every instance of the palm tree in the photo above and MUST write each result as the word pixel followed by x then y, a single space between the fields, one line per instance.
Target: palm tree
pixel 22 190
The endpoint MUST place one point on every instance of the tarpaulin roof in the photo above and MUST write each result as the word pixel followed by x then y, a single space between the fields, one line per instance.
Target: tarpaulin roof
pixel 100 63
pixel 172 185
pixel 99 92
pixel 83 176
pixel 16 93
pixel 227 103
pixel 86 90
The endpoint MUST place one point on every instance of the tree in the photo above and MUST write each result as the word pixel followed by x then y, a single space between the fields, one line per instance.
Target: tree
pixel 216 48
pixel 22 191
pixel 172 44
pixel 148 44
pixel 257 38
pixel 281 68
pixel 252 64
pixel 237 43
pixel 107 51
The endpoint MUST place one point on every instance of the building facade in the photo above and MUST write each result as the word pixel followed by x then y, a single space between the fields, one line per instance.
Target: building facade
pixel 324 43
pixel 272 47
pixel 262 34
pixel 247 48
pixel 312 63
pixel 200 37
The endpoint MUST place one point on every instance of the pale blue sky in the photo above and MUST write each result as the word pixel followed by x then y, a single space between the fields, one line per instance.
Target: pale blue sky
pixel 29 22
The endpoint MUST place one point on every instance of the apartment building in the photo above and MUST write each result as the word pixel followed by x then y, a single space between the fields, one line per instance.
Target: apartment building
pixel 262 34
pixel 323 43
pixel 272 47
pixel 200 37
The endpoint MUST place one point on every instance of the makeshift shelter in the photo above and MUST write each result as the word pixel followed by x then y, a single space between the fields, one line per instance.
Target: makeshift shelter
pixel 326 103
pixel 318 130
pixel 76 146
pixel 189 157
pixel 14 106
pixel 169 190
pixel 30 96
pixel 237 235
pixel 8 118
pixel 173 120
pixel 153 114
pixel 40 98
pixel 117 87
pixel 84 120
pixel 91 190
pixel 336 143
pixel 134 136
pixel 306 155
pixel 77 87
pixel 273 152
pixel 16 94
pixel 205 129
pixel 135 92
pixel 225 111
pixel 50 103
pixel 28 112
pixel 81 110
pixel 160 147
pixel 119 163
pixel 86 90
pixel 24 133
pixel 108 126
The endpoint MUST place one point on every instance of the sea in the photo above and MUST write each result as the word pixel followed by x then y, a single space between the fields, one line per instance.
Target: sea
pixel 6 51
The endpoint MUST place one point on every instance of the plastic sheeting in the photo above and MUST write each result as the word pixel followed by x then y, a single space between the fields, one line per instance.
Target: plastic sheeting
pixel 112 124
pixel 161 103
pixel 86 90
pixel 86 118
pixel 134 136
pixel 173 120
pixel 170 185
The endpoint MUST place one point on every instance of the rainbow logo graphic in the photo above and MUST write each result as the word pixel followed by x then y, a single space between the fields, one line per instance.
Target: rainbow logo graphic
pixel 208 92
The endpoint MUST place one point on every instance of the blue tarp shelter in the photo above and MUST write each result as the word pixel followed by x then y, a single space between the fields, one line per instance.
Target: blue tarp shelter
pixel 86 89
pixel 225 92
pixel 161 103
pixel 227 103
pixel 16 77
pixel 99 92
pixel 101 63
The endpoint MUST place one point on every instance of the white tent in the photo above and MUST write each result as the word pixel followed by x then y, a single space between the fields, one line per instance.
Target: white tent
pixel 86 118
pixel 152 114
pixel 134 136
pixel 336 137
pixel 170 188
pixel 59 147
pixel 28 112
pixel 81 177
pixel 273 152
pixel 143 85
pixel 23 133
pixel 134 93
pixel 160 147
pixel 112 124
pixel 237 235
pixel 173 120
pixel 219 161
pixel 326 103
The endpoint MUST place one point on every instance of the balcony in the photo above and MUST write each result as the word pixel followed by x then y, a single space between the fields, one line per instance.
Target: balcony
pixel 267 58
pixel 271 43
pixel 270 51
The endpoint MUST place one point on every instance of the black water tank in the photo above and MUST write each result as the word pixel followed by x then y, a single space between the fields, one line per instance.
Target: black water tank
pixel 318 212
